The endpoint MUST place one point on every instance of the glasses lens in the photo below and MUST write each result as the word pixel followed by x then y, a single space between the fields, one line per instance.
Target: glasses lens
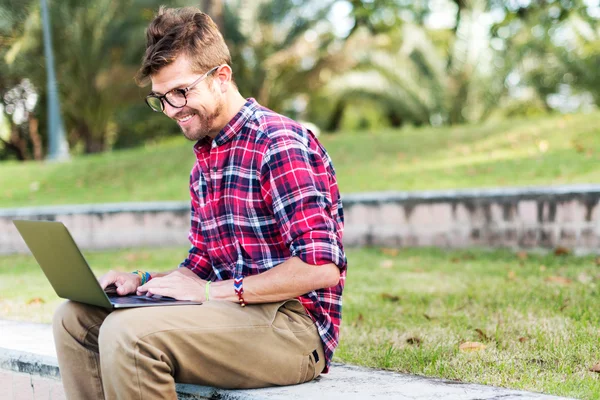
pixel 176 98
pixel 154 103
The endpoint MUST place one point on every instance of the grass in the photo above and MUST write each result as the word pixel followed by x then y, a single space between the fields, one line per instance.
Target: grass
pixel 410 310
pixel 542 151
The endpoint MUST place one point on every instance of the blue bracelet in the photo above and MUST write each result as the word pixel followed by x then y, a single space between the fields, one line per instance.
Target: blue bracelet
pixel 144 276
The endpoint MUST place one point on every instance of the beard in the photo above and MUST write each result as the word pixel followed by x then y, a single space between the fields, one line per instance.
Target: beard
pixel 203 123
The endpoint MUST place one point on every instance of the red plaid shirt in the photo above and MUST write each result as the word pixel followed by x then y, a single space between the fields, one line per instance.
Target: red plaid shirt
pixel 262 191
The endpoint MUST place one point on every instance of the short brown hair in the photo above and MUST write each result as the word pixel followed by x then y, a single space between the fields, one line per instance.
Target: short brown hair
pixel 177 31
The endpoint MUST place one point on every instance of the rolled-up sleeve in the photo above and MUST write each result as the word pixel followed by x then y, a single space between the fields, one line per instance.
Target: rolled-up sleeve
pixel 295 182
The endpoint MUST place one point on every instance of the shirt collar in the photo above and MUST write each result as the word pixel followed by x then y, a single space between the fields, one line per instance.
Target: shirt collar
pixel 232 127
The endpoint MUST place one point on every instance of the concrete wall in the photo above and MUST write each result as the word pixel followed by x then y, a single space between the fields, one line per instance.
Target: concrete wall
pixel 565 216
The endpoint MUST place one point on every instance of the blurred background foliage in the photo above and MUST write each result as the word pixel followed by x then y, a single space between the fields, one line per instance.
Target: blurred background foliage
pixel 340 64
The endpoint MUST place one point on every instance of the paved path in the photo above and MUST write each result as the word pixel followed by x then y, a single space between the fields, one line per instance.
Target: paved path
pixel 343 382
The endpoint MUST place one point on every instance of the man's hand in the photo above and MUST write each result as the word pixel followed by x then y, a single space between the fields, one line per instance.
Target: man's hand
pixel 126 283
pixel 181 284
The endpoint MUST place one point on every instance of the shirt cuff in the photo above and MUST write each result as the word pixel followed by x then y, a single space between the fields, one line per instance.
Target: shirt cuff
pixel 318 248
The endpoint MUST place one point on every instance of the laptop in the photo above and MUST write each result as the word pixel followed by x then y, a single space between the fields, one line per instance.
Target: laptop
pixel 68 272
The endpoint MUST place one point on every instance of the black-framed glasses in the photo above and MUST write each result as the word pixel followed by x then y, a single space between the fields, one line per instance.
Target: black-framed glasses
pixel 175 97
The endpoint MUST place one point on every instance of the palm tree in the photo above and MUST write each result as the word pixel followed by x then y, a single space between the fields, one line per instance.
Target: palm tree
pixel 97 49
pixel 420 82
pixel 276 50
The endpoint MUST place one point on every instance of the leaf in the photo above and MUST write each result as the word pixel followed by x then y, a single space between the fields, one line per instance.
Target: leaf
pixel 561 251
pixel 578 147
pixel 522 255
pixel 482 335
pixel 390 252
pixel 387 264
pixel 512 275
pixel 36 300
pixel 131 257
pixel 596 368
pixel 359 320
pixel 561 280
pixel 390 297
pixel 472 346
pixel 414 340
pixel 542 268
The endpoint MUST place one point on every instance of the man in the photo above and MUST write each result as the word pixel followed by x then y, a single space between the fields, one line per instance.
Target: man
pixel 266 258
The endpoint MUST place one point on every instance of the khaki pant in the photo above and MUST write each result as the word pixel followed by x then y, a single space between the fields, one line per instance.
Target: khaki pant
pixel 139 353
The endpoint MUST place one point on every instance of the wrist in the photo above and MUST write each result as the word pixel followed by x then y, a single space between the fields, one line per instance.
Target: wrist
pixel 223 290
pixel 143 277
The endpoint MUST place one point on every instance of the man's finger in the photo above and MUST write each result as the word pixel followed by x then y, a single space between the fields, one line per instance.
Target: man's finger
pixel 108 279
pixel 162 291
pixel 164 281
pixel 126 288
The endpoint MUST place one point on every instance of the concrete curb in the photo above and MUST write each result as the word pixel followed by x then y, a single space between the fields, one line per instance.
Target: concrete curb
pixel 29 363
pixel 342 383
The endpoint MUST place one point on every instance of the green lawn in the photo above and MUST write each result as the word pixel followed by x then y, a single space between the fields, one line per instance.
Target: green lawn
pixel 410 310
pixel 542 151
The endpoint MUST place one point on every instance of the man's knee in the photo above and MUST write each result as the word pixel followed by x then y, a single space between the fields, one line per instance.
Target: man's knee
pixel 79 321
pixel 126 334
pixel 67 317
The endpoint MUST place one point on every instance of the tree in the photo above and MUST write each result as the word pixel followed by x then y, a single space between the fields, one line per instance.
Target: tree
pixel 277 48
pixel 97 53
pixel 559 44
pixel 19 98
pixel 426 76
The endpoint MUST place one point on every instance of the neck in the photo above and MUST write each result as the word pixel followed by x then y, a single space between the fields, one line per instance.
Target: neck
pixel 234 102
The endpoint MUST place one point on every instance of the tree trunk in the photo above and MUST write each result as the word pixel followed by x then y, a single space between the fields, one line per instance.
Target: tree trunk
pixel 395 119
pixel 335 121
pixel 91 143
pixel 18 144
pixel 36 139
pixel 214 8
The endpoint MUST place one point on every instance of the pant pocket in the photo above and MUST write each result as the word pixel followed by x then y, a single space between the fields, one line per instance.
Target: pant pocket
pixel 311 372
pixel 292 317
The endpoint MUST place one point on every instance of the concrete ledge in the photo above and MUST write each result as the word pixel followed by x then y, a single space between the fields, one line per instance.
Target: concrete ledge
pixel 527 218
pixel 26 374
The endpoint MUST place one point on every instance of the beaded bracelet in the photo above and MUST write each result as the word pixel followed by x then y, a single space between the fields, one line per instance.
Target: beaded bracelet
pixel 238 286
pixel 145 277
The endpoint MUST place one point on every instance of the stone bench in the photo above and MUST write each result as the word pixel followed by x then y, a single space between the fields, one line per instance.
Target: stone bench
pixel 29 370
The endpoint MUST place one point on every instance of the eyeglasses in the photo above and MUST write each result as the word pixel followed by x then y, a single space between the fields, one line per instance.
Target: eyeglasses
pixel 175 97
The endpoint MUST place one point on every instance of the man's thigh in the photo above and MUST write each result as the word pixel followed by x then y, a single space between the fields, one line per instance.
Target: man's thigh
pixel 220 343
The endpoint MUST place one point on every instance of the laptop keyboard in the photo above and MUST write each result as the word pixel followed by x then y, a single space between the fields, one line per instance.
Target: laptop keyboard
pixel 139 299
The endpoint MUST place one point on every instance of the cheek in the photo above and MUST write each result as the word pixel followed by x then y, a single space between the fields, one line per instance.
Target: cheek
pixel 201 104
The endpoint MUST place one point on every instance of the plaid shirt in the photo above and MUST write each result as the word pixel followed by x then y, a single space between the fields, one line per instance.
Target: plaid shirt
pixel 262 191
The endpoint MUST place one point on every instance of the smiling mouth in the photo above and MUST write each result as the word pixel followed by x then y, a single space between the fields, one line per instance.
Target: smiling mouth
pixel 185 119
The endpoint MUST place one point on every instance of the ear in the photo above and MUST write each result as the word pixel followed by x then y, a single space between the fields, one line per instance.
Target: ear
pixel 223 77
